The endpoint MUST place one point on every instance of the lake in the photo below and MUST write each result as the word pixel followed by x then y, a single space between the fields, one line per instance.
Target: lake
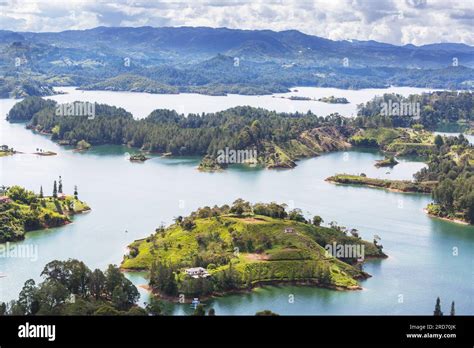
pixel 141 104
pixel 129 200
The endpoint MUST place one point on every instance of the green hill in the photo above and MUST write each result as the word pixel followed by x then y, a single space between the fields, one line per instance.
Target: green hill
pixel 22 211
pixel 242 248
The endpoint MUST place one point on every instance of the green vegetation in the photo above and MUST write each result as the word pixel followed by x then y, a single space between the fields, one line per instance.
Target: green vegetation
pixel 191 60
pixel 399 141
pixel 449 175
pixel 22 211
pixel 138 157
pixel 71 288
pixel 267 313
pixel 13 87
pixel 24 110
pixel 210 164
pixel 279 139
pixel 389 161
pixel 82 145
pixel 452 168
pixel 244 245
pixel 333 100
pixel 394 185
pixel 436 110
pixel 297 98
pixel 6 151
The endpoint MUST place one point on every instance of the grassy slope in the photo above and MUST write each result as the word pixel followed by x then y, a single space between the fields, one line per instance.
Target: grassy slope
pixel 396 185
pixel 290 257
pixel 51 213
pixel 402 141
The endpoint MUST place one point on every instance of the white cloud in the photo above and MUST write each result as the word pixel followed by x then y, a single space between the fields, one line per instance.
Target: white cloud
pixel 393 21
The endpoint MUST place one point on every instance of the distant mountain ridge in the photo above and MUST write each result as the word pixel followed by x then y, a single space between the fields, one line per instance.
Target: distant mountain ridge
pixel 219 61
pixel 252 44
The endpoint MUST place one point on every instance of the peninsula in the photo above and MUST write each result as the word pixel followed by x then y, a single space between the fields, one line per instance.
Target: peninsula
pixel 22 211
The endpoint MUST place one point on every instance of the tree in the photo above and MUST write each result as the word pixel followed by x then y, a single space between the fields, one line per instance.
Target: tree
pixel 28 298
pixel 120 290
pixel 437 310
pixel 199 311
pixel 444 193
pixel 162 278
pixel 97 284
pixel 41 192
pixel 3 309
pixel 317 220
pixel 119 298
pixel 60 187
pixel 188 223
pixel 113 278
pixel 55 190
pixel 137 311
pixel 240 206
pixel 75 191
pixel 438 140
pixel 51 295
pixel 79 279
pixel 453 311
pixel 296 215
pixel 106 310
pixel 155 307
pixel 266 312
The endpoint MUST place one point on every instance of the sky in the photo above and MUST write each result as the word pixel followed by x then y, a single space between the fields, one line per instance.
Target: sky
pixel 397 22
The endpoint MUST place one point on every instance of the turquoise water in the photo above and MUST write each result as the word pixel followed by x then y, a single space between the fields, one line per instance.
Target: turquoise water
pixel 129 200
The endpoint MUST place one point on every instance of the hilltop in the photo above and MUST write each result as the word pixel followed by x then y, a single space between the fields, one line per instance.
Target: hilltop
pixel 243 246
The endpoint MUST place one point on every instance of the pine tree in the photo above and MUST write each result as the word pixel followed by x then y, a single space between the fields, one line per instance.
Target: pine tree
pixel 55 190
pixel 75 191
pixel 60 188
pixel 41 192
pixel 437 310
pixel 453 312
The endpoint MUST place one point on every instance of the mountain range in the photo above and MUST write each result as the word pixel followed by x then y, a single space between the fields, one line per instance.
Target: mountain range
pixel 219 61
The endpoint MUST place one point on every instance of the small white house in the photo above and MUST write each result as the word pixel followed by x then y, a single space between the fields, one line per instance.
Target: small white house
pixel 197 272
pixel 289 230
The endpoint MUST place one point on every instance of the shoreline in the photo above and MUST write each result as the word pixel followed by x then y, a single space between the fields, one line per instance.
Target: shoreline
pixel 456 221
pixel 374 186
pixel 257 285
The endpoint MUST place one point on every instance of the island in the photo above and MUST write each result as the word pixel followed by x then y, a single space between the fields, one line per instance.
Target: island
pixel 297 98
pixel 219 250
pixel 210 164
pixel 22 211
pixel 391 185
pixel 41 152
pixel 6 151
pixel 333 100
pixel 388 161
pixel 83 145
pixel 138 157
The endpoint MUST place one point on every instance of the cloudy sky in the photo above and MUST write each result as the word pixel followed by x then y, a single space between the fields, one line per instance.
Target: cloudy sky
pixel 393 21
